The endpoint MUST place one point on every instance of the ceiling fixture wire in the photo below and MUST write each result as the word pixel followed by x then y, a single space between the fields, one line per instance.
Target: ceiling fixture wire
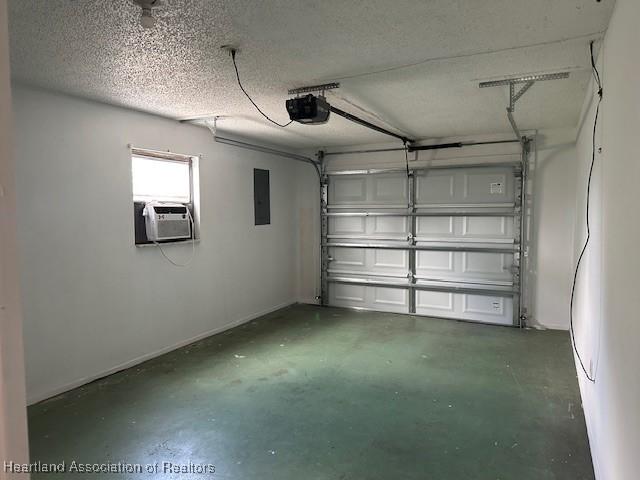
pixel 597 35
pixel 235 66
pixel 596 77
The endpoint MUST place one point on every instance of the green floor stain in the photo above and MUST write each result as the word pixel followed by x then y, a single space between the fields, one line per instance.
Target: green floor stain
pixel 324 393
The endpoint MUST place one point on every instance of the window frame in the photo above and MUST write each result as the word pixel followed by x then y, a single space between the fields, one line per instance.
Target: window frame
pixel 194 189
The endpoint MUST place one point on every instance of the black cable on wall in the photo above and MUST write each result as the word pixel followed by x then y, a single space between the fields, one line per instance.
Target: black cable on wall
pixel 596 77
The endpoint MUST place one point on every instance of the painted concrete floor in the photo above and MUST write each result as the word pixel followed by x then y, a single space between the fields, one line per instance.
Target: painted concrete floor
pixel 311 393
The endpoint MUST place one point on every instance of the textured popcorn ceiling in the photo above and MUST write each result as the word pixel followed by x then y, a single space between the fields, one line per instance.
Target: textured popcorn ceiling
pixel 97 49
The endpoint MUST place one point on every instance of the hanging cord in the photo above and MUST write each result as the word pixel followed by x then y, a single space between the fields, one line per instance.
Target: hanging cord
pixel 596 77
pixel 193 245
pixel 406 156
pixel 235 66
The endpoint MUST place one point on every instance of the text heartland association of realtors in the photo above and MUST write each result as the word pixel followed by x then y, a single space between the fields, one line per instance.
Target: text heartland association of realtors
pixel 109 467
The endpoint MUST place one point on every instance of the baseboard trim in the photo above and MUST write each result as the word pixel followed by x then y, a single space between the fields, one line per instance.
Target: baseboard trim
pixel 148 356
pixel 551 326
pixel 533 323
pixel 309 301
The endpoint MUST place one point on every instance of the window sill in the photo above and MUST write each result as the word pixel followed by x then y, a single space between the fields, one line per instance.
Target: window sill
pixel 175 242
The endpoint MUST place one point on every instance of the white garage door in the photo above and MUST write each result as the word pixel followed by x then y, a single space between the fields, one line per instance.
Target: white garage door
pixel 440 242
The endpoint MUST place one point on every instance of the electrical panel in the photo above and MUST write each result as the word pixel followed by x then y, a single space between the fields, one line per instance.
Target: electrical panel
pixel 261 197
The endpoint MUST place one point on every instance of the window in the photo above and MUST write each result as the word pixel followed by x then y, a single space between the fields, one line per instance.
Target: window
pixel 161 180
pixel 163 177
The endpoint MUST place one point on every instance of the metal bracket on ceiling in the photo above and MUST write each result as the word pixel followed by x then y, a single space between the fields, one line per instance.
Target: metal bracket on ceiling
pixel 314 88
pixel 515 95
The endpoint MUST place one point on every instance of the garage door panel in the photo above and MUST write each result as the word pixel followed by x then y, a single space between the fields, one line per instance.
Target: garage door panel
pixel 388 262
pixel 389 189
pixel 375 298
pixel 484 304
pixel 348 295
pixel 487 227
pixel 389 225
pixel 435 188
pixel 473 267
pixel 347 225
pixel 434 262
pixel 487 187
pixel 489 265
pixel 431 302
pixel 390 299
pixel 348 257
pixel 432 226
pixel 457 283
pixel 392 228
pixel 394 263
pixel 488 309
pixel 478 308
pixel 384 259
pixel 476 185
pixel 347 190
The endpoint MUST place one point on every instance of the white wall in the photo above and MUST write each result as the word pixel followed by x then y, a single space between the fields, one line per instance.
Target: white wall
pixel 607 327
pixel 308 206
pixel 553 201
pixel 93 302
pixel 13 418
pixel 550 275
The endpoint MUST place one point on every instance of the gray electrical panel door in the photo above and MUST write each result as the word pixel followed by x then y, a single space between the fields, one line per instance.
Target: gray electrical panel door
pixel 261 194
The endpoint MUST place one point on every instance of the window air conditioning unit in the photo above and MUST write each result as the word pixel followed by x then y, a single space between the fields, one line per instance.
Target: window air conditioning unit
pixel 167 221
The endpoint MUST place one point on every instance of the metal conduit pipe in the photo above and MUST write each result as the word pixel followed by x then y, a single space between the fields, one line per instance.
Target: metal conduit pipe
pixel 260 148
pixel 516 130
pixel 415 148
pixel 272 151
